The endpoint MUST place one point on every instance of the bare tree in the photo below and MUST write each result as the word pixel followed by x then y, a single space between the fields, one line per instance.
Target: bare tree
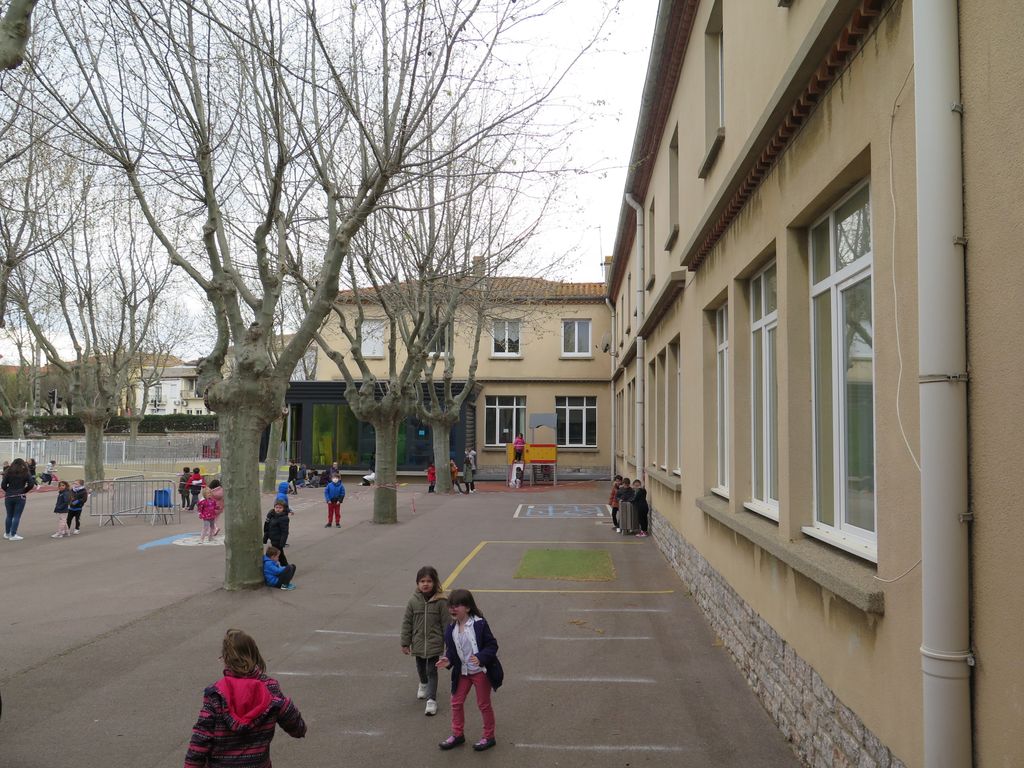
pixel 19 389
pixel 170 332
pixel 106 285
pixel 238 138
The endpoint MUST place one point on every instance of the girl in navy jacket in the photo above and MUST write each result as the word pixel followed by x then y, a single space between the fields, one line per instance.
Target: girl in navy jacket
pixel 471 652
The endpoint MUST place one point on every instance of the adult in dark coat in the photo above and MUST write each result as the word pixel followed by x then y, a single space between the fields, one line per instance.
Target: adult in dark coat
pixel 17 483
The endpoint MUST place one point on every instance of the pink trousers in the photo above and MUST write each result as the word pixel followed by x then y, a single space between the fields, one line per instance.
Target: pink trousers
pixel 483 700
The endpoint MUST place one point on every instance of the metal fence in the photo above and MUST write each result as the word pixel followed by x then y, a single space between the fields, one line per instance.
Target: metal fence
pixel 134 497
pixel 146 450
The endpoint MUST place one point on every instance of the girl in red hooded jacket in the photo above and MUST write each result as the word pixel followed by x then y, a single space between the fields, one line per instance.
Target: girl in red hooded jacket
pixel 240 711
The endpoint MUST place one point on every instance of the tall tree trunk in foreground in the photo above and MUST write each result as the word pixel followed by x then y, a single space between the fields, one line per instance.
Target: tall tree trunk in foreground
pixel 93 423
pixel 17 422
pixel 272 463
pixel 441 436
pixel 385 493
pixel 244 404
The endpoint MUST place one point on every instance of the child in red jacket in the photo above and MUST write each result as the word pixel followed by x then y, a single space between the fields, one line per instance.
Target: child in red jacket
pixel 431 477
pixel 240 711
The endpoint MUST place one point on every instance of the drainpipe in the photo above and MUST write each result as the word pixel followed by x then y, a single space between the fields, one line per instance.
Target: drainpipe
pixel 611 383
pixel 942 348
pixel 641 464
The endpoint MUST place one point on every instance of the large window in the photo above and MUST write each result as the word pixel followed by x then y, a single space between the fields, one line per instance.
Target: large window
pixel 714 88
pixel 843 369
pixel 372 341
pixel 576 338
pixel 673 413
pixel 577 421
pixel 505 417
pixel 506 338
pixel 764 421
pixel 441 343
pixel 722 397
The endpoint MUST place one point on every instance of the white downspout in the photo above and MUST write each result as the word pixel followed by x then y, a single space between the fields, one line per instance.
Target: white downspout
pixel 611 383
pixel 942 348
pixel 641 463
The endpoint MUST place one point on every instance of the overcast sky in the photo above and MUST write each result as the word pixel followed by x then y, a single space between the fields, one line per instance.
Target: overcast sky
pixel 609 81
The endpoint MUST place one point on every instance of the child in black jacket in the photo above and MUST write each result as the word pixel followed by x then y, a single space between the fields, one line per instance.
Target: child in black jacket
pixel 642 508
pixel 275 529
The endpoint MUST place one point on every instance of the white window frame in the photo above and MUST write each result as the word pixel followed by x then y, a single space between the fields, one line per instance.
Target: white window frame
pixel 505 336
pixel 675 347
pixel 442 345
pixel 722 444
pixel 841 534
pixel 494 409
pixel 764 323
pixel 367 335
pixel 577 321
pixel 562 405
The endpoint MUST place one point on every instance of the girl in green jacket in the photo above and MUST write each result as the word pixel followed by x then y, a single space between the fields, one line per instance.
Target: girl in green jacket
pixel 426 617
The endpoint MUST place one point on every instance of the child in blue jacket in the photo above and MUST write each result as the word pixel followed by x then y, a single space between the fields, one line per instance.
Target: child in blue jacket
pixel 334 495
pixel 275 574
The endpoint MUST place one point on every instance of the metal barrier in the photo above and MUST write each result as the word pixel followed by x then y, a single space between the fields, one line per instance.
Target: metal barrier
pixel 134 496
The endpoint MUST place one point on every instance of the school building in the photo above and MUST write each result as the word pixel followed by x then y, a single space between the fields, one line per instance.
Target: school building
pixel 544 358
pixel 816 284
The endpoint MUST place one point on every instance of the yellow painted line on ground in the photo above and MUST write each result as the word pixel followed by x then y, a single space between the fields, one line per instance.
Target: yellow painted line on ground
pixel 465 561
pixel 584 591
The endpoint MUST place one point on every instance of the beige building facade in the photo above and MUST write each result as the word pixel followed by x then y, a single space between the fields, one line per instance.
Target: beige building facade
pixel 544 352
pixel 767 377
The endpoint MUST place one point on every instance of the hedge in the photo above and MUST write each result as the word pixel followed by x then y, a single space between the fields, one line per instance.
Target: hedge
pixel 117 425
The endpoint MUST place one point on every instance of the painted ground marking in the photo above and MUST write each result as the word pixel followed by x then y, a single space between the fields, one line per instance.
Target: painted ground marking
pixel 178 538
pixel 447 583
pixel 603 747
pixel 358 634
pixel 561 511
pixel 555 679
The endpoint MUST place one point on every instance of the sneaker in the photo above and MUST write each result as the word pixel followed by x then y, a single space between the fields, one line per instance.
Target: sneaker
pixel 327 526
pixel 618 530
pixel 7 535
pixel 288 586
pixel 77 531
pixel 57 535
pixel 16 537
pixel 421 691
pixel 483 744
pixel 337 525
pixel 452 741
pixel 431 708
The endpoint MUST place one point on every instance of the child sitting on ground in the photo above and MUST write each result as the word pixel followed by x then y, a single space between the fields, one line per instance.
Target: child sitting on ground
pixel 275 574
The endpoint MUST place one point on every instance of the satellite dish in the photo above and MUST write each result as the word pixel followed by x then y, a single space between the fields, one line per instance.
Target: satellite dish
pixel 606 342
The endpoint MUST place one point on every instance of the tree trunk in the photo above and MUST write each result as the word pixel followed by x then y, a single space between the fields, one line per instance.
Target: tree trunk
pixel 240 430
pixel 273 461
pixel 17 422
pixel 441 436
pixel 93 446
pixel 133 432
pixel 385 494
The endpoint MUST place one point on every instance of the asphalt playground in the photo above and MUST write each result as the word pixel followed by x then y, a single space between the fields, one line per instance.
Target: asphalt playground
pixel 108 638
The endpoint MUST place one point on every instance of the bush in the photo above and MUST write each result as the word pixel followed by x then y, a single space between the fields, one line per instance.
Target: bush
pixel 117 425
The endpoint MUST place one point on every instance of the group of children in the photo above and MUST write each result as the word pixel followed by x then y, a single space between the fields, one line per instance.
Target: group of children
pixel 636 494
pixel 68 507
pixel 241 710
pixel 468 471
pixel 277 571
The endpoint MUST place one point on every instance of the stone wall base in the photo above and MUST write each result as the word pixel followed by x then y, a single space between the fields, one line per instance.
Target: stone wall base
pixel 824 732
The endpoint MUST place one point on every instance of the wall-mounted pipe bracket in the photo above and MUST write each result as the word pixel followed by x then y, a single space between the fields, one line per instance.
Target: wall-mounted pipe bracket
pixel 957 107
pixel 959 240
pixel 966 517
pixel 951 378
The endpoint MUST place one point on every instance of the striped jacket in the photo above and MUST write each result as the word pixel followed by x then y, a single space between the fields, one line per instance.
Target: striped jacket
pixel 237 721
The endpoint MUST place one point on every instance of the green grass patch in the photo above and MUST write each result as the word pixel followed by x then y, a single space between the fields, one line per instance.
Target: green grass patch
pixel 566 565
